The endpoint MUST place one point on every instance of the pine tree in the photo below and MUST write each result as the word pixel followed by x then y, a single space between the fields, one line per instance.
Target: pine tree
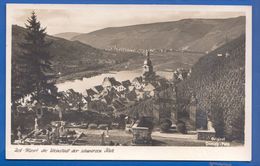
pixel 36 63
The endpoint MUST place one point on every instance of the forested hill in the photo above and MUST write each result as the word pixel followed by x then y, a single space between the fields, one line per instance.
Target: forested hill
pixel 191 34
pixel 218 83
pixel 71 56
pixel 67 35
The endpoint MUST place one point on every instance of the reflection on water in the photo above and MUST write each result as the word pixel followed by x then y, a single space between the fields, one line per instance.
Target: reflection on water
pixel 85 83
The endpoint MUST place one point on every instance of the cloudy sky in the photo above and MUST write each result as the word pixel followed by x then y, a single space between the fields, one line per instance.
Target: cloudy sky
pixel 87 18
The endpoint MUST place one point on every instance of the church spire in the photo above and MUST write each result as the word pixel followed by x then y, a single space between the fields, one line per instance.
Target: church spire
pixel 148 67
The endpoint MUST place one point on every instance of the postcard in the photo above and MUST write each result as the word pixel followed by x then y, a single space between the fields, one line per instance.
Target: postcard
pixel 128 82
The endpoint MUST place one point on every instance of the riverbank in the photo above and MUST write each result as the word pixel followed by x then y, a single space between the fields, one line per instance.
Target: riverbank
pixel 77 76
pixel 126 66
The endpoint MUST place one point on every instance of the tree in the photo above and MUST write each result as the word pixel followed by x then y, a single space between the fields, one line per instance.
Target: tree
pixel 36 63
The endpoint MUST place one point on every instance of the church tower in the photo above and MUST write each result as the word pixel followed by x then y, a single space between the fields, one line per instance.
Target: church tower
pixel 148 67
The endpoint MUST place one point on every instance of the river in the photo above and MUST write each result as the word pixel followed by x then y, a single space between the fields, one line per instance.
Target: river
pixel 86 83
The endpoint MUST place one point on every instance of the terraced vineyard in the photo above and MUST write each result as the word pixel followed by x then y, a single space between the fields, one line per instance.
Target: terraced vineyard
pixel 218 83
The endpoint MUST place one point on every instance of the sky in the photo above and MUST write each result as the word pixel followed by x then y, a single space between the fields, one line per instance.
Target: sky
pixel 88 18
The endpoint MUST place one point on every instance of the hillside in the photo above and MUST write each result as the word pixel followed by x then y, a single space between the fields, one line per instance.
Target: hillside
pixel 67 35
pixel 218 83
pixel 188 34
pixel 70 57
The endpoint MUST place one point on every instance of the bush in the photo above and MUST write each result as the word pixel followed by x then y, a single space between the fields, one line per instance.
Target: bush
pixel 181 127
pixel 165 125
pixel 92 126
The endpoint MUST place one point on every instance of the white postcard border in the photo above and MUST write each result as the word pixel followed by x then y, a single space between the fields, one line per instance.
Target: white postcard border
pixel 241 153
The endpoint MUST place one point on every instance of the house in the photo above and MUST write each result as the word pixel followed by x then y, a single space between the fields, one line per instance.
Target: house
pixel 92 94
pixel 138 83
pixel 111 82
pixel 114 93
pixel 87 98
pixel 131 87
pixel 70 99
pixel 126 84
pixel 118 105
pixel 106 83
pixel 104 92
pixel 107 99
pixel 120 88
pixel 131 96
pixel 149 89
pixel 140 94
pixel 99 88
